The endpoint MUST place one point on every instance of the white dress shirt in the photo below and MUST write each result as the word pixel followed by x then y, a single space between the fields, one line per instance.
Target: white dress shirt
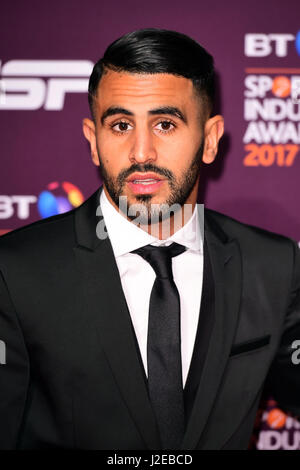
pixel 137 276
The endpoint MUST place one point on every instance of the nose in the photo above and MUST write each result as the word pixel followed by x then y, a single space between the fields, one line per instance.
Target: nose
pixel 143 149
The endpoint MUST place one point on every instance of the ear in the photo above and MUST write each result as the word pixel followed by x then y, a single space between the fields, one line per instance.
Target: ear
pixel 89 132
pixel 213 131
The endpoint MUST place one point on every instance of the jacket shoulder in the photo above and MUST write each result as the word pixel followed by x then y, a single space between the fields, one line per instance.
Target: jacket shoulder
pixel 38 238
pixel 259 248
pixel 243 232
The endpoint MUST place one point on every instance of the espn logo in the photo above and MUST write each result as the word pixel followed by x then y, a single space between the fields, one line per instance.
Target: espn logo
pixel 23 88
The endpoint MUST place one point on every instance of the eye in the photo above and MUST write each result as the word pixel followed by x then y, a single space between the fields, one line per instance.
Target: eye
pixel 166 126
pixel 120 127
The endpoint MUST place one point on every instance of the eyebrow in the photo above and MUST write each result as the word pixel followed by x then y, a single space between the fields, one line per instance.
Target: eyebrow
pixel 172 110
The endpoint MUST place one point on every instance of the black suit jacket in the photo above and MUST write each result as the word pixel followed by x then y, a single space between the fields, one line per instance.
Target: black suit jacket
pixel 72 375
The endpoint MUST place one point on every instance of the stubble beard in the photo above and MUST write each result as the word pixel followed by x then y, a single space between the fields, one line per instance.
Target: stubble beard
pixel 150 213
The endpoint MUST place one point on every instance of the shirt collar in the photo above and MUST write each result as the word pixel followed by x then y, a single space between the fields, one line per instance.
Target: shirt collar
pixel 125 236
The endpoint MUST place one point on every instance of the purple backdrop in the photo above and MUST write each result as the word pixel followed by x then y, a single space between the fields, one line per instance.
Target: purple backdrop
pixel 43 101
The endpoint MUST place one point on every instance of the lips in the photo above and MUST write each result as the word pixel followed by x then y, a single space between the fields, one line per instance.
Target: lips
pixel 144 183
pixel 144 177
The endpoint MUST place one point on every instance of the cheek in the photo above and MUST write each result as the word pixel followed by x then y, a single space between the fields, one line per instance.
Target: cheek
pixel 110 152
pixel 177 154
pixel 112 142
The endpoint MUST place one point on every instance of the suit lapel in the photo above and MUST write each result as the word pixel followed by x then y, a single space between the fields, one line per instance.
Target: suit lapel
pixel 106 304
pixel 203 334
pixel 225 262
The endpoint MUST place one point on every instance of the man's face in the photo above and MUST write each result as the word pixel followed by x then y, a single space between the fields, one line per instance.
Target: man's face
pixel 148 137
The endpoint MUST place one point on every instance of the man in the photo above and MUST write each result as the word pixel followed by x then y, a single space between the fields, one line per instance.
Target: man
pixel 118 336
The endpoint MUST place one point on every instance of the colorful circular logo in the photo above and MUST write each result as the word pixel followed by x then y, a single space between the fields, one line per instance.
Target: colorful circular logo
pixel 59 198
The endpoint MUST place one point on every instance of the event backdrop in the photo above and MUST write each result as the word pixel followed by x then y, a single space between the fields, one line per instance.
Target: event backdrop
pixel 47 53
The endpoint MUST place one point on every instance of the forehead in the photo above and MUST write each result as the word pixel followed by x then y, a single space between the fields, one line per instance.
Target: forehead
pixel 144 89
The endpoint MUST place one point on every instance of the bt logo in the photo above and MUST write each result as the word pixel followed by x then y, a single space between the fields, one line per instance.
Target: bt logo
pixel 262 45
pixel 19 204
pixel 33 84
pixel 57 199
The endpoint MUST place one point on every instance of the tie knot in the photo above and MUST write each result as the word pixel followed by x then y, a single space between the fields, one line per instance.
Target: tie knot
pixel 160 258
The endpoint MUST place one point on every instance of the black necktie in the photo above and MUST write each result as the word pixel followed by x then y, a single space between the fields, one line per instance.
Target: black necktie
pixel 163 345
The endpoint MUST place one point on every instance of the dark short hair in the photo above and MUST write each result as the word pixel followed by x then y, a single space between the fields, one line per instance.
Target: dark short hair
pixel 153 50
